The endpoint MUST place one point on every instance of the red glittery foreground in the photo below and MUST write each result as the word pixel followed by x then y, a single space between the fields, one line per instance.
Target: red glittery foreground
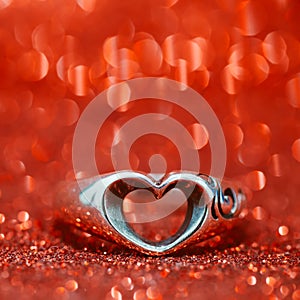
pixel 37 264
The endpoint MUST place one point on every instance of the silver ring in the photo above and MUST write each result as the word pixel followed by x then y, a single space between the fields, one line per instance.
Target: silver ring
pixel 95 206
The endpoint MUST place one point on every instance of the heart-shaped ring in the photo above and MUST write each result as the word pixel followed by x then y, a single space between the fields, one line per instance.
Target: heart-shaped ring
pixel 98 207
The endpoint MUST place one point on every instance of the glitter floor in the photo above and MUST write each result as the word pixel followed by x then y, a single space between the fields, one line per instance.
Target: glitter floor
pixel 39 265
pixel 243 56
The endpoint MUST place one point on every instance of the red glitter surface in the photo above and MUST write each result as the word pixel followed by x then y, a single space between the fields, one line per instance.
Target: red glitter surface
pixel 243 56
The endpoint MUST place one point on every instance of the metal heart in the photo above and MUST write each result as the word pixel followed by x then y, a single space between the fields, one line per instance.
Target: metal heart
pixel 108 193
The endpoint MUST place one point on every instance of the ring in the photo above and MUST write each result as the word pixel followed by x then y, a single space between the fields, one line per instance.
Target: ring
pixel 95 205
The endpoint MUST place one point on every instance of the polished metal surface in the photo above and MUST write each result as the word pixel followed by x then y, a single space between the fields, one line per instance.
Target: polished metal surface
pixel 209 207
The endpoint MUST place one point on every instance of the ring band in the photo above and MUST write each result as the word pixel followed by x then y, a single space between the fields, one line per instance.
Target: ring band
pixel 95 206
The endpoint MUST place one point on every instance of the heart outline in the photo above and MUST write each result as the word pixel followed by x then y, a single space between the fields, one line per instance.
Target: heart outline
pixel 196 215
